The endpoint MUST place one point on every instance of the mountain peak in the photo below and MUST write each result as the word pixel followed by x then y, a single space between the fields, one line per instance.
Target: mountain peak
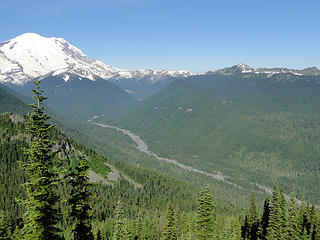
pixel 244 67
pixel 31 55
pixel 29 35
pixel 239 68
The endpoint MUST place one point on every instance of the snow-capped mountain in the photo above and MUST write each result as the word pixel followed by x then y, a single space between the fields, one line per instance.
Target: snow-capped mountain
pixel 31 55
pixel 243 68
pixel 240 68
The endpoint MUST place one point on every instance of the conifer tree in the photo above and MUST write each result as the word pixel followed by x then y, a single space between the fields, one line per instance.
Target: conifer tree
pixel 119 232
pixel 79 201
pixel 305 217
pixel 293 231
pixel 283 217
pixel 205 219
pixel 264 223
pixel 170 227
pixel 251 225
pixel 185 225
pixel 312 213
pixel 41 216
pixel 276 228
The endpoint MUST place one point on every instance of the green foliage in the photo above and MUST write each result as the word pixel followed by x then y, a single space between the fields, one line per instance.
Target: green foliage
pixel 253 127
pixel 205 221
pixel 125 210
pixel 264 223
pixel 5 232
pixel 169 231
pixel 10 102
pixel 79 201
pixel 251 224
pixel 282 220
pixel 276 229
pixel 149 201
pixel 41 216
pixel 12 141
pixel 119 232
pixel 293 224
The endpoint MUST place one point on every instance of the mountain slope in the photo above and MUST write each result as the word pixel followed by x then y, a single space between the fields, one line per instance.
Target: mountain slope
pixel 149 199
pixel 11 102
pixel 80 97
pixel 253 127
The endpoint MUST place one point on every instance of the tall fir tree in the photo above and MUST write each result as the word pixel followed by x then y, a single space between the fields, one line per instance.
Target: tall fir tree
pixel 305 222
pixel 276 229
pixel 264 223
pixel 205 219
pixel 79 200
pixel 283 215
pixel 170 224
pixel 251 225
pixel 41 216
pixel 293 231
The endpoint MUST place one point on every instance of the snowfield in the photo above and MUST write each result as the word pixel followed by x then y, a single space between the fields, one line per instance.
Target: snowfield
pixel 30 55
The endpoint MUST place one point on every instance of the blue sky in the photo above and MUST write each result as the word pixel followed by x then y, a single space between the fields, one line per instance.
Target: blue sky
pixel 195 35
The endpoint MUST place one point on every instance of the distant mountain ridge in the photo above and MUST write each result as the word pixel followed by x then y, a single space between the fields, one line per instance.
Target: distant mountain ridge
pixel 243 68
pixel 30 55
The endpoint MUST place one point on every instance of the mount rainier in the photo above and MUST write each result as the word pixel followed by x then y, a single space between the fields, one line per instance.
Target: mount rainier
pixel 30 55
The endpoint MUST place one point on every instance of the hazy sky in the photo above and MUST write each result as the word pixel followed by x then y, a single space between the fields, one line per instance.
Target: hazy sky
pixel 195 35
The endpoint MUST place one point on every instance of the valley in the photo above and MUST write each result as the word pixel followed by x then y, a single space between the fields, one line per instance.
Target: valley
pixel 220 177
pixel 142 147
pixel 160 142
pixel 259 132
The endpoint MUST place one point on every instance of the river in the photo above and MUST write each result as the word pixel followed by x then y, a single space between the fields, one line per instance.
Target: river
pixel 143 147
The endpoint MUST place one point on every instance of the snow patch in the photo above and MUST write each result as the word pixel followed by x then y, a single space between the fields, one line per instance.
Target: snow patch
pixel 128 91
pixel 66 77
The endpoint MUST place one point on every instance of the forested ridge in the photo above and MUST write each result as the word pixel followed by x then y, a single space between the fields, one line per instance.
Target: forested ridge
pixel 149 202
pixel 252 127
pixel 164 208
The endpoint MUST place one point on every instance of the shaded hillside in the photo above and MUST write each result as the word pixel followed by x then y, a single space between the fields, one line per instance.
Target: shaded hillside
pixel 10 101
pixel 80 97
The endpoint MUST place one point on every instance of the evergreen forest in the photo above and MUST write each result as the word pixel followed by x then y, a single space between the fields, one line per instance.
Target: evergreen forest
pixel 50 189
